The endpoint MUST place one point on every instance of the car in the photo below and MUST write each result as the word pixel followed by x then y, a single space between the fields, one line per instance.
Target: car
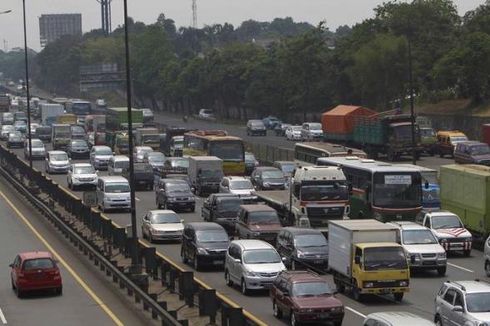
pixel 447 141
pixel 311 131
pixel 280 129
pixel 206 114
pixel 472 152
pixel 257 221
pixel 204 243
pixel 78 148
pixel 57 162
pixel 6 131
pixel 15 140
pixel 139 153
pixel 174 194
pixel 287 168
pixel 148 115
pixel 395 318
pixel 37 147
pixel 422 247
pixel 252 264
pixel 238 186
pixel 100 156
pixel 20 126
pixel 302 247
pixel 7 118
pixel 113 192
pixel 33 271
pixel 143 176
pixel 20 116
pixel 268 178
pixel 250 163
pixel 155 159
pixel 486 254
pixel 44 133
pixel 256 128
pixel 293 133
pixel 34 127
pixel 462 303
pixel 81 174
pixel 117 165
pixel 271 122
pixel 222 209
pixel 176 165
pixel 162 225
pixel 305 297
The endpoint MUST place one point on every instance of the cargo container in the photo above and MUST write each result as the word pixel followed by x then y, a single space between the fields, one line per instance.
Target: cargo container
pixel 338 123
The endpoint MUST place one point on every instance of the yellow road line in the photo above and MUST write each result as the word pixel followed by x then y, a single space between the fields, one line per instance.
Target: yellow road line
pixel 84 285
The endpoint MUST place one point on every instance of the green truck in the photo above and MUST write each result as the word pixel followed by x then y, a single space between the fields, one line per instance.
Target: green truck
pixel 117 126
pixel 465 191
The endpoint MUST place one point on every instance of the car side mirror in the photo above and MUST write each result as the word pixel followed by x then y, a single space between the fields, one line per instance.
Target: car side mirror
pixel 237 260
pixel 357 260
pixel 457 309
pixel 11 265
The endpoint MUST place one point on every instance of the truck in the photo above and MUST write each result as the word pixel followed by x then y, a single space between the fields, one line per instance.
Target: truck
pixel 166 140
pixel 117 122
pixel 205 173
pixel 48 110
pixel 60 136
pixel 386 133
pixel 317 195
pixel 147 137
pixel 4 102
pixel 67 118
pixel 364 256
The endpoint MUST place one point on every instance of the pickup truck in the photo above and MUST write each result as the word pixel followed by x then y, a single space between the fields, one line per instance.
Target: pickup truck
pixel 222 209
pixel 143 176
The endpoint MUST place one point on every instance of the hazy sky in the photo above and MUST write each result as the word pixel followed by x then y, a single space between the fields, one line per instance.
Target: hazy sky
pixel 335 12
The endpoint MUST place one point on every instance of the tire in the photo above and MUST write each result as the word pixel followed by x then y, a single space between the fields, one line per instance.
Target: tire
pixel 20 294
pixel 59 291
pixel 441 155
pixel 340 286
pixel 438 321
pixel 12 284
pixel 357 295
pixel 193 209
pixel 150 237
pixel 398 296
pixel 276 311
pixel 243 287
pixel 337 323
pixel 292 320
pixel 195 261
pixel 441 271
pixel 487 268
pixel 467 253
pixel 228 280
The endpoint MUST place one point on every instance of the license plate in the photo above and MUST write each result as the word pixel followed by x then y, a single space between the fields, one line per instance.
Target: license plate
pixel 218 262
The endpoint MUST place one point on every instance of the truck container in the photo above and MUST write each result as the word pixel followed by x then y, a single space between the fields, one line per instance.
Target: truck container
pixel 465 191
pixel 338 123
pixel 147 137
pixel 364 255
pixel 48 110
pixel 205 173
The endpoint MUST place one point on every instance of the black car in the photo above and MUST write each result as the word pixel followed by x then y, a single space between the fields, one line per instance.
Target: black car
pixel 15 140
pixel 204 243
pixel 143 176
pixel 174 194
pixel 222 209
pixel 77 132
pixel 302 248
pixel 250 163
pixel 268 178
pixel 78 148
pixel 256 127
pixel 43 133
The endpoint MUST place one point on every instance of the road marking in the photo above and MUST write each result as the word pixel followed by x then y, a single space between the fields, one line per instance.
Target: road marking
pixel 355 311
pixel 82 283
pixel 137 199
pixel 2 317
pixel 461 268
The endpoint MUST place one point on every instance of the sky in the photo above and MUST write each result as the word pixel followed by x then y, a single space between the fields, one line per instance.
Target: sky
pixel 334 12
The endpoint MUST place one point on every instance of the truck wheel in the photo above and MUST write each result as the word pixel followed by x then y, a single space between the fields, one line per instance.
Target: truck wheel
pixel 441 271
pixel 441 155
pixel 398 296
pixel 356 293
pixel 340 286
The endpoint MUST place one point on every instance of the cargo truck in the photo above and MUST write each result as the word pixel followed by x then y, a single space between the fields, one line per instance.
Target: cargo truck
pixel 205 173
pixel 318 194
pixel 465 191
pixel 48 110
pixel 364 256
pixel 117 122
pixel 166 140
pixel 61 136
pixel 147 137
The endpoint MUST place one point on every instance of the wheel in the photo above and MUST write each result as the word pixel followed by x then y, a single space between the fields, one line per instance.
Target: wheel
pixel 12 284
pixel 158 204
pixel 467 253
pixel 19 293
pixel 441 155
pixel 356 293
pixel 441 271
pixel 193 208
pixel 197 266
pixel 228 280
pixel 340 286
pixel 337 323
pixel 438 321
pixel 398 296
pixel 277 312
pixel 293 320
pixel 59 291
pixel 487 268
pixel 244 287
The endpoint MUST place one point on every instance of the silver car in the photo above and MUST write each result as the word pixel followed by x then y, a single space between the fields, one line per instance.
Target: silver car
pixel 100 156
pixel 38 148
pixel 395 318
pixel 81 174
pixel 57 162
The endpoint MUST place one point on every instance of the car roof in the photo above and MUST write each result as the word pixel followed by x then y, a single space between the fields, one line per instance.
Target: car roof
pixel 400 318
pixel 300 231
pixel 162 211
pixel 250 244
pixel 56 152
pixel 441 213
pixel 266 168
pixel 302 276
pixel 142 147
pixel 235 178
pixel 174 181
pixel 257 208
pixel 471 286
pixel 113 178
pixel 100 147
pixel 120 157
pixel 35 254
pixel 80 165
pixel 205 226
pixel 407 225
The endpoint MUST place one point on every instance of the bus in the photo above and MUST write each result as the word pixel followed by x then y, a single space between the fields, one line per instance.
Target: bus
pixel 78 107
pixel 217 143
pixel 431 190
pixel 384 191
pixel 312 151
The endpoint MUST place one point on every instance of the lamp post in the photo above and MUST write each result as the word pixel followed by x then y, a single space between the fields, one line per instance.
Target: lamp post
pixel 134 231
pixel 412 114
pixel 27 86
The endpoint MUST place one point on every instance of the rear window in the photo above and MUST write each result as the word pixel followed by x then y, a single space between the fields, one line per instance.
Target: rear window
pixel 40 263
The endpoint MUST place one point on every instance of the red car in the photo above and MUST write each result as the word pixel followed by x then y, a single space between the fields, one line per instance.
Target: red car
pixel 35 270
pixel 305 297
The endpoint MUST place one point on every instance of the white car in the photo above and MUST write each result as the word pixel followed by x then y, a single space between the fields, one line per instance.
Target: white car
pixel 311 131
pixel 395 318
pixel 100 156
pixel 293 133
pixel 206 114
pixel 81 174
pixel 57 162
pixel 38 148
pixel 237 186
pixel 162 225
pixel 139 153
pixel 6 130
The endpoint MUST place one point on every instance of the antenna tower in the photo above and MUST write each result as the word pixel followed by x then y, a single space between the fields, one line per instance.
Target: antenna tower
pixel 194 13
pixel 105 9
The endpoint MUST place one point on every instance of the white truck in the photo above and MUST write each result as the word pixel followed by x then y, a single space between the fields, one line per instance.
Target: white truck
pixel 316 195
pixel 61 136
pixel 363 255
pixel 48 110
pixel 148 137
pixel 205 173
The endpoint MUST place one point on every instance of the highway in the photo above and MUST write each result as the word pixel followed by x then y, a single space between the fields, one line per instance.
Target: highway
pixel 420 300
pixel 88 298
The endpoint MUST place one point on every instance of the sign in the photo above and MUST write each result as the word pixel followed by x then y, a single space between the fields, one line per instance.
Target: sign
pixel 90 198
pixel 398 179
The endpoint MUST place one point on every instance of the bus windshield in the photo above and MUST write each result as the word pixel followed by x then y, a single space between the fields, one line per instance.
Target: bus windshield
pixel 331 190
pixel 228 150
pixel 80 108
pixel 397 189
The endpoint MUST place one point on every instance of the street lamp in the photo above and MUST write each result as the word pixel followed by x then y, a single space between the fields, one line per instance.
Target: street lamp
pixel 29 135
pixel 412 115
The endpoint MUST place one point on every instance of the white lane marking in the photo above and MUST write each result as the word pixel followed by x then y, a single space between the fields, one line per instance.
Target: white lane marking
pixel 2 317
pixel 356 312
pixel 137 199
pixel 461 268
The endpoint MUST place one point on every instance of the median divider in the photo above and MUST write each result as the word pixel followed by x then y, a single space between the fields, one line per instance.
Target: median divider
pixel 97 235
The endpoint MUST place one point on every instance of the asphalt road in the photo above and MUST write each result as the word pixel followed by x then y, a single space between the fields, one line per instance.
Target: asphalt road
pixel 76 306
pixel 420 300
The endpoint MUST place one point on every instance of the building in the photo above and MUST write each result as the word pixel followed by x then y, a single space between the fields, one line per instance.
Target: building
pixel 53 26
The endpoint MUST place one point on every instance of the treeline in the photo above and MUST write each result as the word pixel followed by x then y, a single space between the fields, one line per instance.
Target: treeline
pixel 285 68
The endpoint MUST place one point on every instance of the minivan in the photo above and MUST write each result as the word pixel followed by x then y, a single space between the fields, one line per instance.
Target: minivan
pixel 472 152
pixel 117 164
pixel 311 131
pixel 258 222
pixel 113 192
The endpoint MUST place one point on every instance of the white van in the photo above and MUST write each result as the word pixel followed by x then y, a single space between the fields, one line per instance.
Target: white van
pixel 113 193
pixel 117 164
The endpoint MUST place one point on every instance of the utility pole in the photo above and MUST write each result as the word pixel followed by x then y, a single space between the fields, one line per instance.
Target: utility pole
pixel 194 13
pixel 26 62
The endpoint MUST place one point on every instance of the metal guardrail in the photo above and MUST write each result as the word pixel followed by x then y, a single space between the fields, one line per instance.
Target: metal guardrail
pixel 175 279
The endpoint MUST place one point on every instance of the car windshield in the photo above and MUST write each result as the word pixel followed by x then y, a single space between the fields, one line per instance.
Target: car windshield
pixel 121 164
pixel 458 138
pixel 84 170
pixel 332 190
pixel 263 218
pixel 311 289
pixel 296 128
pixel 77 130
pixel 103 151
pixel 229 205
pixel 179 163
pixel 39 263
pixel 43 131
pixel 310 240
pixel 446 222
pixel 315 126
pixel 8 128
pixel 478 302
pixel 79 143
pixel 116 187
pixel 241 185
pixel 272 174
pixel 156 157
pixel 384 258
pixel 482 149
pixel 257 124
pixel 288 168
pixel 397 190
pixel 261 256
pixel 36 143
pixel 58 157
pixel 142 151
pixel 178 187
pixel 416 237
pixel 164 218
pixel 212 236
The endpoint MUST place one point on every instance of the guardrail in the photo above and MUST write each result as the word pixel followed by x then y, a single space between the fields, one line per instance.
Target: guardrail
pixel 194 292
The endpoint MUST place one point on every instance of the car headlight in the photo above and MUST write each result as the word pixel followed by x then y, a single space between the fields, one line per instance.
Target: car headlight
pixel 368 284
pixel 441 255
pixel 202 251
pixel 403 283
pixel 171 199
pixel 443 240
pixel 251 274
pixel 415 256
